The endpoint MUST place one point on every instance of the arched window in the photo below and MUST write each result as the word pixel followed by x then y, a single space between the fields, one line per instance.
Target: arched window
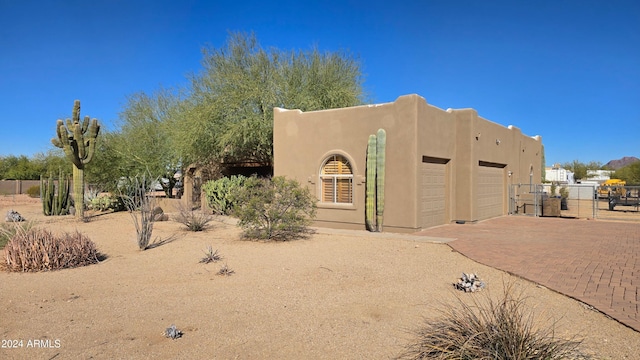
pixel 336 178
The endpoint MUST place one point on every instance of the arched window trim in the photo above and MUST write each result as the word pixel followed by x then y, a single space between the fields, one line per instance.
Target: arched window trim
pixel 337 187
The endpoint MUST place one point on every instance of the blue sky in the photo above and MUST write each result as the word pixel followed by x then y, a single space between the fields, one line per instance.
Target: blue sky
pixel 568 70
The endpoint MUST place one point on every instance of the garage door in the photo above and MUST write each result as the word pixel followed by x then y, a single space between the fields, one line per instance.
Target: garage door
pixel 491 190
pixel 434 192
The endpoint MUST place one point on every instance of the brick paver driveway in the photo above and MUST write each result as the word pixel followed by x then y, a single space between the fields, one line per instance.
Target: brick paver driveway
pixel 594 261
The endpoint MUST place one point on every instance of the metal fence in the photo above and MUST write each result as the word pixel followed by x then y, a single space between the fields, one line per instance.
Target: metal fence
pixel 575 201
pixel 525 199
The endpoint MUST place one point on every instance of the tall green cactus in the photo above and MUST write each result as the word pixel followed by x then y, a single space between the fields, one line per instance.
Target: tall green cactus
pixel 78 140
pixel 55 203
pixel 380 167
pixel 370 207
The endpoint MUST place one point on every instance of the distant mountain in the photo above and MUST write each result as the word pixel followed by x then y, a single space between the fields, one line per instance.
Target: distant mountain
pixel 617 164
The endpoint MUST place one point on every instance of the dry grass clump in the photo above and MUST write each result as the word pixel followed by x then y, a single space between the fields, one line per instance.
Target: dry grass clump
pixel 194 220
pixel 9 230
pixel 38 249
pixel 489 329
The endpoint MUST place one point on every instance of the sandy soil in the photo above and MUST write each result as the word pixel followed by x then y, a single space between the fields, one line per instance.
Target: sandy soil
pixel 336 295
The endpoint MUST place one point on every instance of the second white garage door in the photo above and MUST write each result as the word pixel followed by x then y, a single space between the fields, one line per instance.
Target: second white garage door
pixel 491 190
pixel 434 193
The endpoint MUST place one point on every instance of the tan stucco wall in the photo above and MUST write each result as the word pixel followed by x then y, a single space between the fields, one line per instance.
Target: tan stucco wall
pixel 303 140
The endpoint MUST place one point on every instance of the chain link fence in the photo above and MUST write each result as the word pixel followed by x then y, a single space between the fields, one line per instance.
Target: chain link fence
pixel 584 201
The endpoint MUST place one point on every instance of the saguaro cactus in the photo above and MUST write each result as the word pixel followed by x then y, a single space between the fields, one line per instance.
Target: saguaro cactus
pixel 370 207
pixel 78 140
pixel 381 144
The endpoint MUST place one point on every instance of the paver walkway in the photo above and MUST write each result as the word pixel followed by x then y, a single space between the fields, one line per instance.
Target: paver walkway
pixel 594 261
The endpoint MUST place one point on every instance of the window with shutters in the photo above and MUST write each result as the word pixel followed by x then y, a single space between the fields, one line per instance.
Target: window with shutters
pixel 336 179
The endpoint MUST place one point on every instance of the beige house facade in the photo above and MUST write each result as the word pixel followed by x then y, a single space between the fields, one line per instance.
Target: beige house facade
pixel 442 166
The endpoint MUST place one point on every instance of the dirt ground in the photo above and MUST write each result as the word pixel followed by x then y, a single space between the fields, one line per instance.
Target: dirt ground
pixel 336 295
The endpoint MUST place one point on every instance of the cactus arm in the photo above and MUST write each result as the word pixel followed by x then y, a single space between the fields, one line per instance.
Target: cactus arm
pixel 76 111
pixel 371 184
pixel 380 170
pixel 85 124
pixel 90 143
pixel 63 136
pixel 77 135
pixel 94 129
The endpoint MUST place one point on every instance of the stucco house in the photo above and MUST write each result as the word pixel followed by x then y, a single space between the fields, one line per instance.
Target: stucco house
pixel 442 166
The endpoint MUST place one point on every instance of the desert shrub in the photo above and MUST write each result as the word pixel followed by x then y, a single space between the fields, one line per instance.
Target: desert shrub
pixel 276 208
pixel 211 256
pixel 141 207
pixel 225 270
pixel 106 203
pixel 9 230
pixel 34 191
pixel 219 193
pixel 38 249
pixel 194 220
pixel 488 329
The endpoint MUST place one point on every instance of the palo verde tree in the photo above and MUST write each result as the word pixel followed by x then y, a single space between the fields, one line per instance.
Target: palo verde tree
pixel 146 141
pixel 228 115
pixel 78 140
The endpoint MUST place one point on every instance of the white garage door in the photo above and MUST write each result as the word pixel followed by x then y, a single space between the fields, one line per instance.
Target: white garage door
pixel 491 190
pixel 434 193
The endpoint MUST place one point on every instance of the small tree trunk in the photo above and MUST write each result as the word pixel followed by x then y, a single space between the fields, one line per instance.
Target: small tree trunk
pixel 78 191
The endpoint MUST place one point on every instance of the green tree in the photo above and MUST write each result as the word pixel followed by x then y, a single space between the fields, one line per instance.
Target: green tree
pixel 580 169
pixel 52 162
pixel 145 143
pixel 228 116
pixel 109 164
pixel 25 168
pixel 629 173
pixel 20 168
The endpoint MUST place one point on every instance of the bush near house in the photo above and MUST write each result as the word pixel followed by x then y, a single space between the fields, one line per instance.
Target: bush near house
pixel 273 209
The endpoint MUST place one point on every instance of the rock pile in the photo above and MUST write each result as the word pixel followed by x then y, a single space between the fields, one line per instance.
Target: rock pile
pixel 469 283
pixel 13 216
pixel 172 332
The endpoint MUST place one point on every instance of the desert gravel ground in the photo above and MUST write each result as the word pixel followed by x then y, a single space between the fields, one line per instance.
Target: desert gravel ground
pixel 335 295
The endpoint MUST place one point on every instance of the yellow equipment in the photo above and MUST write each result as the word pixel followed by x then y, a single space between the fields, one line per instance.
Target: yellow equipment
pixel 611 187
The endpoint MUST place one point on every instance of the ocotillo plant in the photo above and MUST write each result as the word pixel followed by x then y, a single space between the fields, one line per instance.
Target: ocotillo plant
pixel 370 207
pixel 78 140
pixel 55 203
pixel 381 144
